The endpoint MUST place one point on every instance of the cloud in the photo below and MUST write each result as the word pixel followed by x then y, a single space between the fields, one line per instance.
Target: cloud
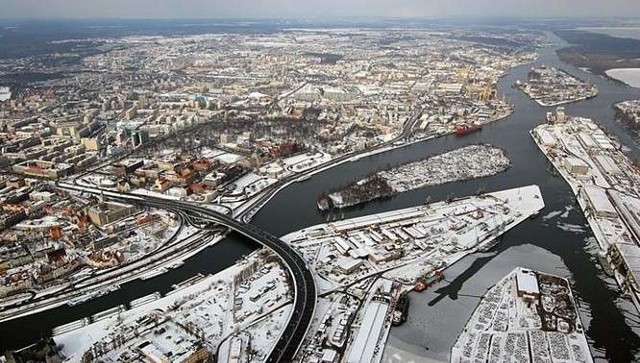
pixel 313 8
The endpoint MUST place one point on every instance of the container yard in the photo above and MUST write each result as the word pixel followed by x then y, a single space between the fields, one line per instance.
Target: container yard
pixel 527 316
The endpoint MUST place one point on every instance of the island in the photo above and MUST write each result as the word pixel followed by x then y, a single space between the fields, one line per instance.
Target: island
pixel 466 163
pixel 628 112
pixel 553 87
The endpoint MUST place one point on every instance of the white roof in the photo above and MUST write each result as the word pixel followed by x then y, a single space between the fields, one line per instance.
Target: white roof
pixel 599 199
pixel 347 263
pixel 527 281
pixel 607 164
pixel 329 355
pixel 574 161
pixel 364 345
pixel 547 138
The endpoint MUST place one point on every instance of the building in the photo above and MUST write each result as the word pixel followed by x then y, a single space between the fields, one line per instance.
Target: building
pixel 330 356
pixel 599 202
pixel 44 169
pixel 560 115
pixel 107 212
pixel 527 284
pixel 547 139
pixel 576 165
pixel 363 349
pixel 126 167
pixel 140 137
pixel 348 265
pixel 91 144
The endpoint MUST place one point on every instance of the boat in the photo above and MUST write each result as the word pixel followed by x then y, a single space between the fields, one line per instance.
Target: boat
pixel 464 129
pixel 428 280
pixel 153 273
pixel 303 178
pixel 323 203
pixel 401 310
pixel 93 295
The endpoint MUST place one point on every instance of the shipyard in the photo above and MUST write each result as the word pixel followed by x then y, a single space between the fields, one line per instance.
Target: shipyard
pixel 365 266
pixel 605 184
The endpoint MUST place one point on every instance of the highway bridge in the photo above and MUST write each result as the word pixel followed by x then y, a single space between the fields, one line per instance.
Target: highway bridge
pixel 302 280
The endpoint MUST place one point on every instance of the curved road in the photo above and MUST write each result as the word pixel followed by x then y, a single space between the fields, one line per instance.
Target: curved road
pixel 304 295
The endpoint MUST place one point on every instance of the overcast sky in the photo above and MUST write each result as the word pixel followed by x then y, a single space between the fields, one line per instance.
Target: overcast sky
pixel 313 8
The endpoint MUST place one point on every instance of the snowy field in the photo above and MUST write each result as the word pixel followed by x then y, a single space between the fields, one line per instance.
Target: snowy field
pixel 470 162
pixel 630 76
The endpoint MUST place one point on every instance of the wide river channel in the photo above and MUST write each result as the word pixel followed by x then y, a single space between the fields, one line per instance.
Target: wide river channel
pixel 558 242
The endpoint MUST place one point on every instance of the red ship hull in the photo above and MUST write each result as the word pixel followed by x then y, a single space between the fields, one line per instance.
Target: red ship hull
pixel 467 129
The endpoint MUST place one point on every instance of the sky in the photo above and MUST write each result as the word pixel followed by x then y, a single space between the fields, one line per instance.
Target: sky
pixel 315 8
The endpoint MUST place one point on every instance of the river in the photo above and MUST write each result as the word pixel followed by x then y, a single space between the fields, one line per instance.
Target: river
pixel 558 243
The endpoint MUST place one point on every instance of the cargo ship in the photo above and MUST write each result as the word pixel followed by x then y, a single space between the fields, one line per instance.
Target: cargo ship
pixel 91 296
pixel 464 129
pixel 401 310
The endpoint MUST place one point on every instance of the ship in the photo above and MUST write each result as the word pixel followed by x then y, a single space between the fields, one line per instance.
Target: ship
pixel 153 273
pixel 428 280
pixel 93 295
pixel 324 204
pixel 401 310
pixel 464 129
pixel 303 178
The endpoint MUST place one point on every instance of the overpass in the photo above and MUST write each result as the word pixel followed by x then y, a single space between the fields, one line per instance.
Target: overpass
pixel 304 288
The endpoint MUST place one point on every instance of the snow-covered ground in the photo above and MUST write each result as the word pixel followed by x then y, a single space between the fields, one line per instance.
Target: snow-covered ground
pixel 470 162
pixel 630 76
pixel 303 162
pixel 605 184
pixel 199 311
pixel 527 316
pixel 228 158
pixel 436 236
pixel 5 93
